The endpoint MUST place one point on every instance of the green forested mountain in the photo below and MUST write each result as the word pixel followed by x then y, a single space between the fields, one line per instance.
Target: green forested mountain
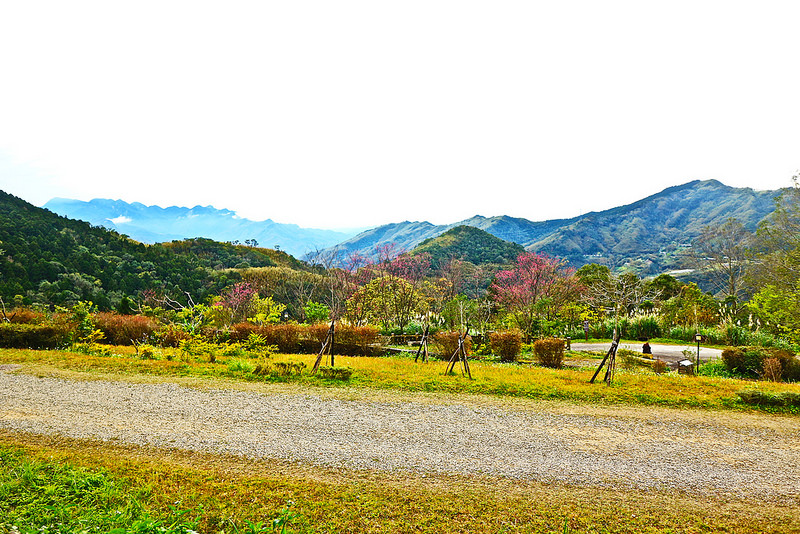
pixel 650 232
pixel 469 244
pixel 49 258
pixel 657 226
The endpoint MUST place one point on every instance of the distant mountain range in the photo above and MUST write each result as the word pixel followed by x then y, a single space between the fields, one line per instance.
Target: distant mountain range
pixel 649 233
pixel 153 224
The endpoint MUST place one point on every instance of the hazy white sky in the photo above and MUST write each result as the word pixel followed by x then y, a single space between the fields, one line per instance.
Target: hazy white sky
pixel 358 113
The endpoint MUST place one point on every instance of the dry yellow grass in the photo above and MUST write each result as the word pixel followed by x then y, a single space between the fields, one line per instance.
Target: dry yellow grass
pixel 343 501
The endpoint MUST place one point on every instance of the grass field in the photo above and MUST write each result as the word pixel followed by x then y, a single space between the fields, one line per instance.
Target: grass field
pixel 402 373
pixel 97 487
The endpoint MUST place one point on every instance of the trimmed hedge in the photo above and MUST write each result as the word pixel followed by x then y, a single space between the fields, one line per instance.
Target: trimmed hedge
pixel 34 336
pixel 124 329
pixel 549 352
pixel 294 338
pixel 507 344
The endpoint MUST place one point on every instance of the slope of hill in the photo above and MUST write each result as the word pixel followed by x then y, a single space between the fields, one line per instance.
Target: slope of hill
pixel 650 230
pixel 657 224
pixel 153 224
pixel 469 244
pixel 53 259
pixel 403 236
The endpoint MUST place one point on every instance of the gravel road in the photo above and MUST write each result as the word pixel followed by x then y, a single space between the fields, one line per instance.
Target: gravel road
pixel 699 452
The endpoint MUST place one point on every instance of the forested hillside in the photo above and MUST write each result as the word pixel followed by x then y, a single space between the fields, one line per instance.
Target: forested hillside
pixel 653 228
pixel 470 244
pixel 49 258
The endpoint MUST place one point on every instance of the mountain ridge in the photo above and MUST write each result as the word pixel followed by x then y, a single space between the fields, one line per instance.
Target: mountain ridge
pixel 152 224
pixel 651 231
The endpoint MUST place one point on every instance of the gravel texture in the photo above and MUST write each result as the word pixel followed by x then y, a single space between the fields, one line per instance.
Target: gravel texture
pixel 658 449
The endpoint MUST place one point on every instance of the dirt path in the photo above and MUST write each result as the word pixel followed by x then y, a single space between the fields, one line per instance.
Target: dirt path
pixel 669 353
pixel 699 452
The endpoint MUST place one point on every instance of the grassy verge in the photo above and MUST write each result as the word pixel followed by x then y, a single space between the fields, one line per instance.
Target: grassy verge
pixel 401 373
pixel 223 494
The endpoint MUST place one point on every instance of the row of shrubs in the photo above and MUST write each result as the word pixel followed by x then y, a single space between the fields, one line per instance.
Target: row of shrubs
pixel 35 336
pixel 506 345
pixel 762 362
pixel 287 337
pixel 117 329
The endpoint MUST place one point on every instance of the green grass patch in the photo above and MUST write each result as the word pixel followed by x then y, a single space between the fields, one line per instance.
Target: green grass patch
pixel 90 481
pixel 44 496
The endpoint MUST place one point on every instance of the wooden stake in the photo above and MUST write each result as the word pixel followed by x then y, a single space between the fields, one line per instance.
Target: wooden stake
pixel 612 353
pixel 328 344
pixel 460 355
pixel 423 345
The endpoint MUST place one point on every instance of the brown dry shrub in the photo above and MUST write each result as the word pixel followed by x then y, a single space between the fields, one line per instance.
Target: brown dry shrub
pixel 319 331
pixel 124 329
pixel 284 336
pixel 240 332
pixel 25 316
pixel 358 340
pixel 549 352
pixel 507 344
pixel 446 344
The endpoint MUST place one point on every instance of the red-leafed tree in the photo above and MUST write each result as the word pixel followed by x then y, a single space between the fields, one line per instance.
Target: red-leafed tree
pixel 537 286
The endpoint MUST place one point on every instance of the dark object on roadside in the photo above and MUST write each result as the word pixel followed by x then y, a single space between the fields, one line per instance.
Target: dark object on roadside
pixel 646 348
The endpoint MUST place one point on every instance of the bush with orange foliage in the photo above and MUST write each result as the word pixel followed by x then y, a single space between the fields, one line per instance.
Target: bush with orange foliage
pixel 507 344
pixel 124 329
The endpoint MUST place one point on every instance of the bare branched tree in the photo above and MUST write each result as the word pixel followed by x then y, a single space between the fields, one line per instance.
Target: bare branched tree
pixel 622 293
pixel 722 252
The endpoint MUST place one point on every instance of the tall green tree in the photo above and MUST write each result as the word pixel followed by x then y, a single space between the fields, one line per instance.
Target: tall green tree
pixel 776 270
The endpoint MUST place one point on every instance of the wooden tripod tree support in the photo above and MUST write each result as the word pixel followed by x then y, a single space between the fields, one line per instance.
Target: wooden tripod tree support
pixel 327 345
pixel 423 345
pixel 460 355
pixel 611 358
